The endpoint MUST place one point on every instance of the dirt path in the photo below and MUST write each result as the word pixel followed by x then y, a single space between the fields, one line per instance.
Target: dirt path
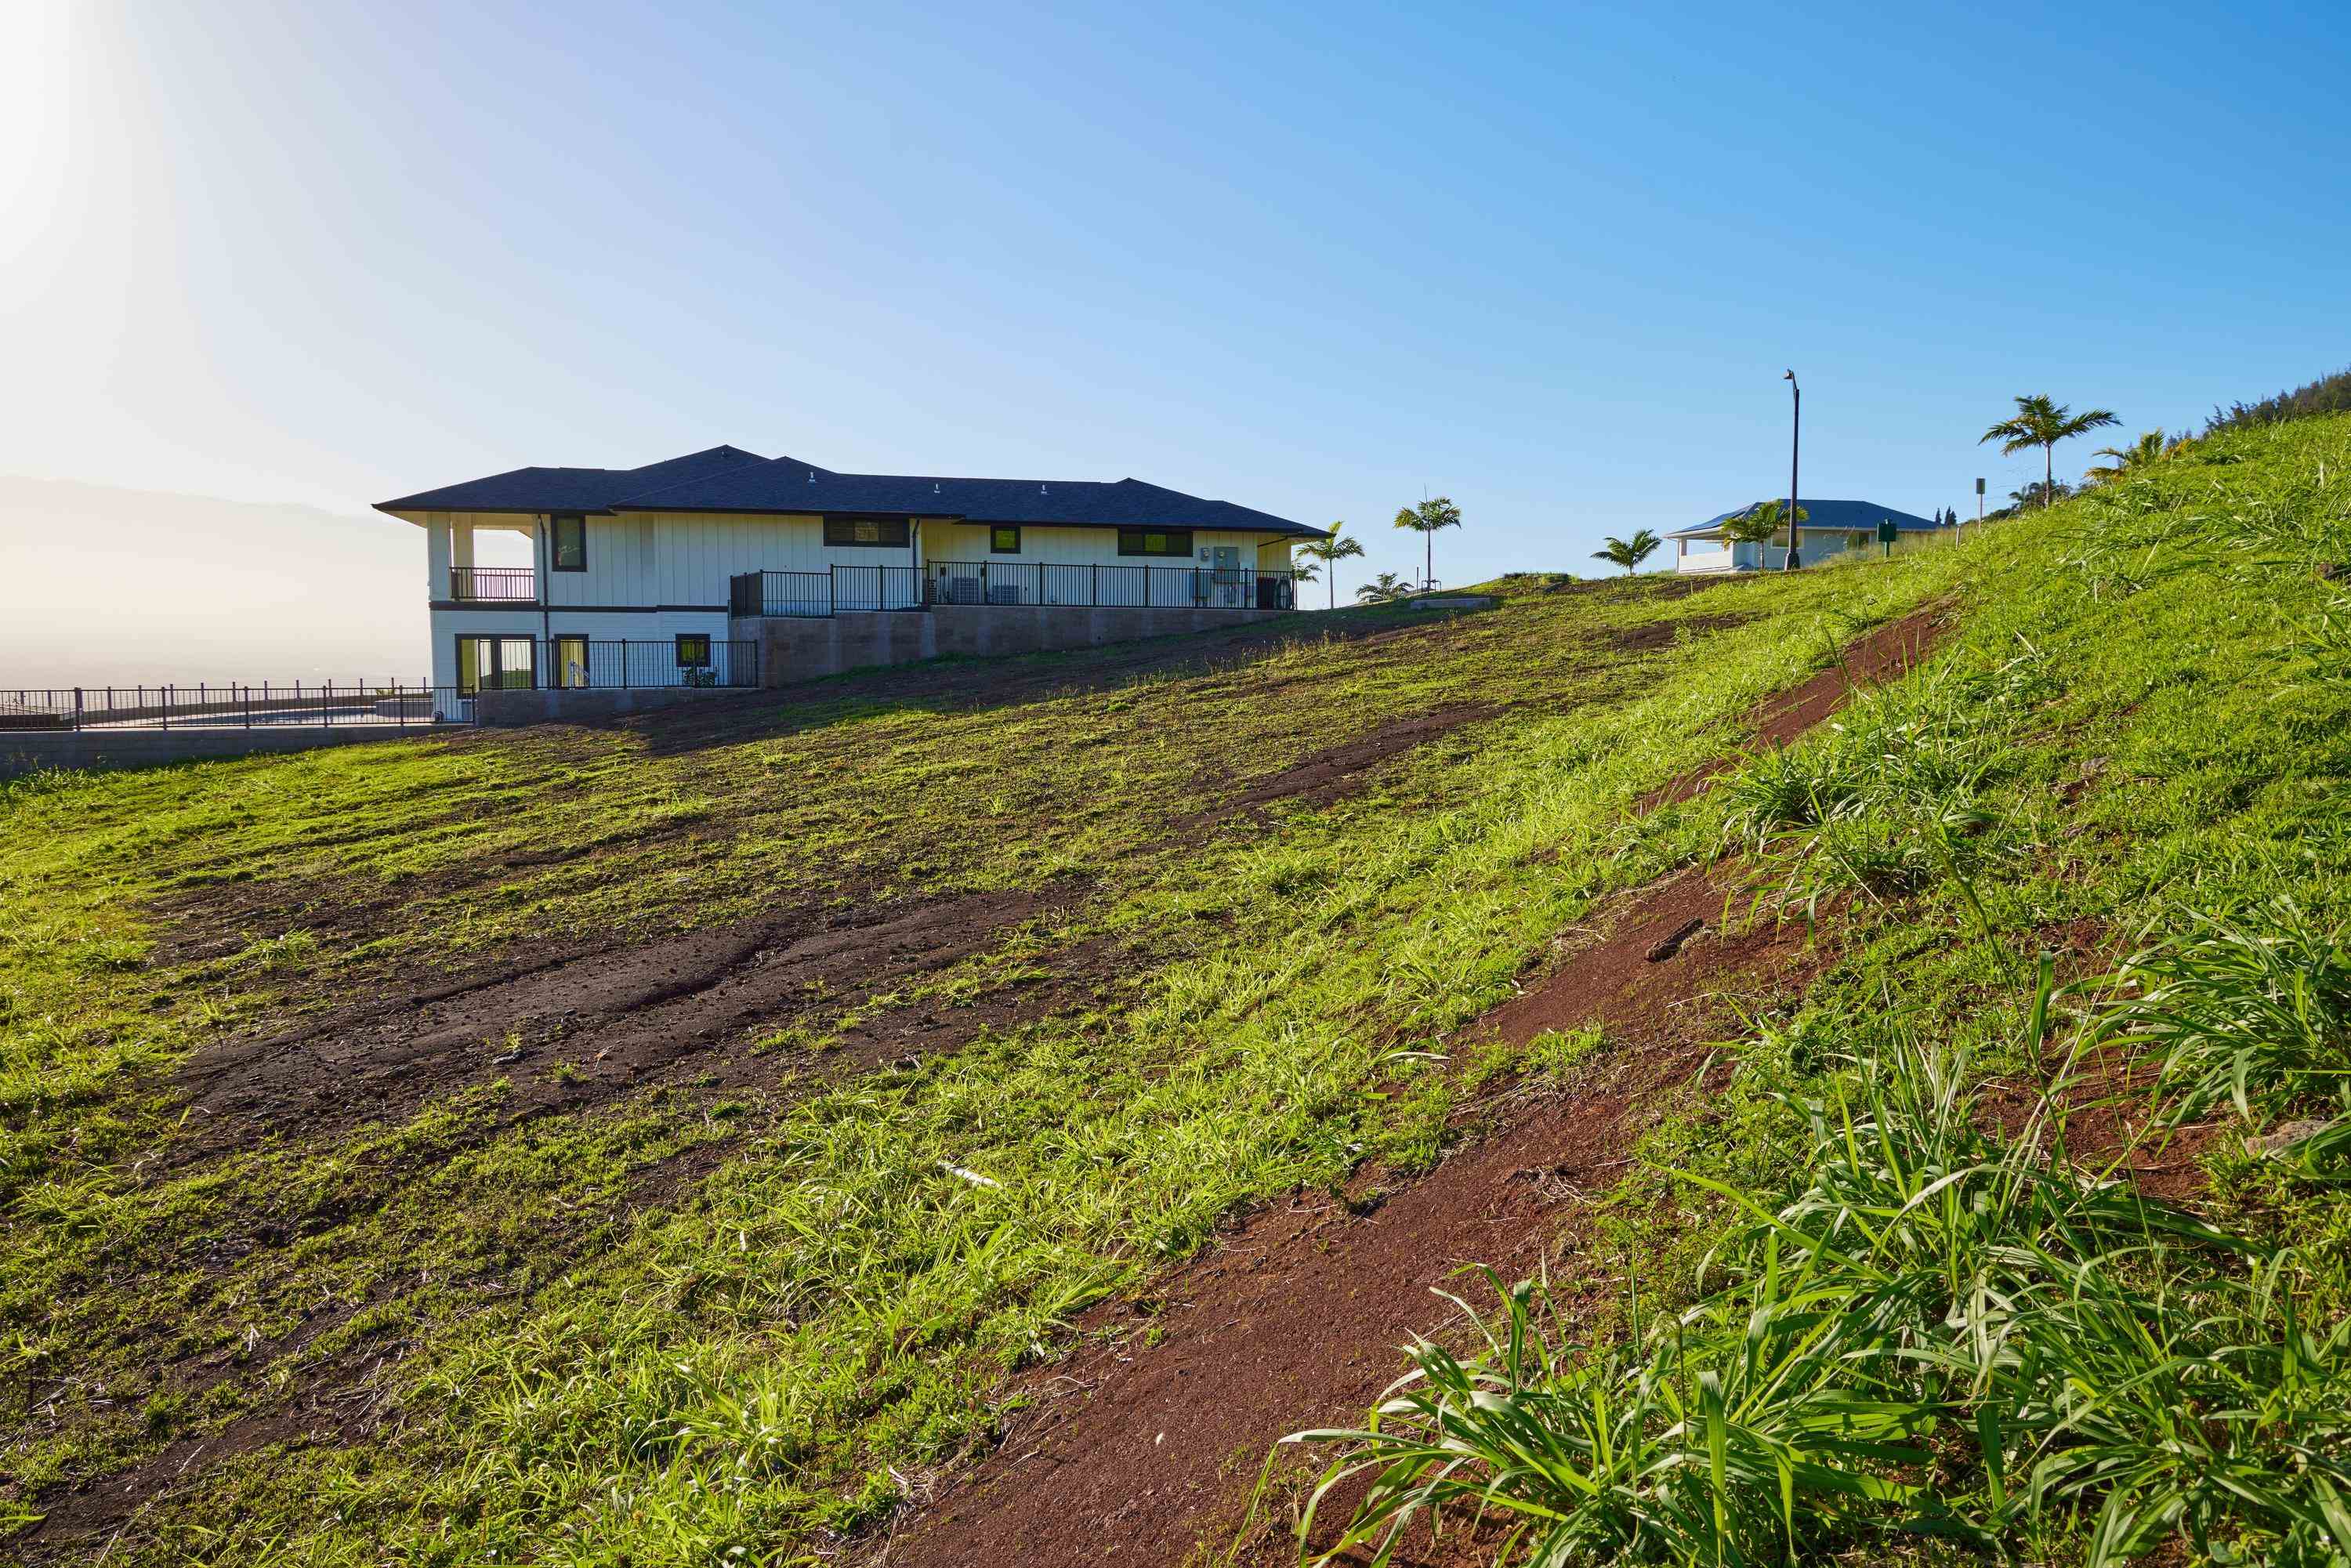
pixel 1129 1452
pixel 1140 1452
pixel 1882 654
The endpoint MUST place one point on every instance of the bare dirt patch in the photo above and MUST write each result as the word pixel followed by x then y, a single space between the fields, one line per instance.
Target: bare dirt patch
pixel 574 1028
pixel 1131 1453
pixel 1658 635
pixel 1330 776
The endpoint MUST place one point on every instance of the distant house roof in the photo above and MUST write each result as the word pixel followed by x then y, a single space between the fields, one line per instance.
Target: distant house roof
pixel 1824 516
pixel 728 479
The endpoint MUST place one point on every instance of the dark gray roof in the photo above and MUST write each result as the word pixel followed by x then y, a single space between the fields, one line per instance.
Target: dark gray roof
pixel 788 485
pixel 1830 517
pixel 569 489
pixel 727 479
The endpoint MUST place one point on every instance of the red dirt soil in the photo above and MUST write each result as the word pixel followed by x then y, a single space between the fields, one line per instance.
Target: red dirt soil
pixel 1331 775
pixel 1887 654
pixel 588 1027
pixel 1142 1455
pixel 1129 1453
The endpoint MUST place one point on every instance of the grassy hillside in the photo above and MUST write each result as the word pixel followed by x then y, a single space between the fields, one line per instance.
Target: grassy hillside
pixel 634 1145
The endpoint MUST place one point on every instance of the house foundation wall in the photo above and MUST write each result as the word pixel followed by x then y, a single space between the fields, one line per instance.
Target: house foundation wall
pixel 32 752
pixel 571 705
pixel 804 648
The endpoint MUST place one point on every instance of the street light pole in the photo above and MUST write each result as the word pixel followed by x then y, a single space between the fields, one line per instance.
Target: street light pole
pixel 1795 440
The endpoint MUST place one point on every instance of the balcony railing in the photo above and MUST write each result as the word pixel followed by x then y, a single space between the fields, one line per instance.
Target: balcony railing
pixel 1006 582
pixel 493 584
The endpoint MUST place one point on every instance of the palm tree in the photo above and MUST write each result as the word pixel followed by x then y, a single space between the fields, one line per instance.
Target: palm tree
pixel 1628 553
pixel 2042 423
pixel 1425 520
pixel 1387 586
pixel 1755 525
pixel 2150 448
pixel 1331 553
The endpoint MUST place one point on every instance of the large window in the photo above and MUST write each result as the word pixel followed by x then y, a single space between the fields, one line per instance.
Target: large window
pixel 492 663
pixel 1003 541
pixel 1156 541
pixel 867 533
pixel 567 549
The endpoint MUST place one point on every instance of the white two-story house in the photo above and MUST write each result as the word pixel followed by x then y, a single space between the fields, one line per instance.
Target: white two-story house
pixel 649 577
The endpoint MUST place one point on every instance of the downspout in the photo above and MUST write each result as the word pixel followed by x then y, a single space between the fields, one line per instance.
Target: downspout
pixel 538 553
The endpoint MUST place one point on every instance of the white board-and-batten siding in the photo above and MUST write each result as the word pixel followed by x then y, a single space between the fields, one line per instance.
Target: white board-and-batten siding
pixel 646 560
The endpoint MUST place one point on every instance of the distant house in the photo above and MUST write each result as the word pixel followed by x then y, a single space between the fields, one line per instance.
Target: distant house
pixel 1830 528
pixel 650 576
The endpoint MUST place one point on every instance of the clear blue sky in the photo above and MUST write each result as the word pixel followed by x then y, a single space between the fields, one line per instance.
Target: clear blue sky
pixel 1550 263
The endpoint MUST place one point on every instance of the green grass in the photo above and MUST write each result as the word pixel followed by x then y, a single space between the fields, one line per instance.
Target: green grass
pixel 682 1328
pixel 1900 1286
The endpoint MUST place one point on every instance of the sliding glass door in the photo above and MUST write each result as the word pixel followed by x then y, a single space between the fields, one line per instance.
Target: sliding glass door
pixel 496 663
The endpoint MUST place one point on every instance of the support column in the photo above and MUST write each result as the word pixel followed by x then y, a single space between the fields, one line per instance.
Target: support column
pixel 436 555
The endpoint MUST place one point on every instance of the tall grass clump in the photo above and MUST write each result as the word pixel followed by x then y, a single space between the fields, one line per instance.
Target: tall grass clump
pixel 1892 795
pixel 1931 1330
pixel 2252 1013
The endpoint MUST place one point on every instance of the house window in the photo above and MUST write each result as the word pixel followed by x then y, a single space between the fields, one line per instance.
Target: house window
pixel 693 650
pixel 567 546
pixel 494 664
pixel 1156 541
pixel 1856 541
pixel 868 533
pixel 1003 541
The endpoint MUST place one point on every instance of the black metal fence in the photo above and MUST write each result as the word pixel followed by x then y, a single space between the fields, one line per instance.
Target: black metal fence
pixel 589 664
pixel 1140 587
pixel 263 704
pixel 1008 583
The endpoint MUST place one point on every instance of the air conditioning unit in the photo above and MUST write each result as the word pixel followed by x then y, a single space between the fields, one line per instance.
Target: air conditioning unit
pixel 964 591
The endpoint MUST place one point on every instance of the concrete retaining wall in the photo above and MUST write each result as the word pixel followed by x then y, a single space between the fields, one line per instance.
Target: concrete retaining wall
pixel 29 751
pixel 799 649
pixel 506 709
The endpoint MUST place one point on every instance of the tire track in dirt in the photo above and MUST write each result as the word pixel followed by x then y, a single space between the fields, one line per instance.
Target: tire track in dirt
pixel 588 1029
pixel 1140 1454
pixel 1331 775
pixel 685 1008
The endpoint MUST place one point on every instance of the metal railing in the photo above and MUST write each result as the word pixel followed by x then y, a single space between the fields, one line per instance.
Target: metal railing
pixel 493 584
pixel 586 663
pixel 237 705
pixel 1008 583
pixel 1143 587
pixel 779 593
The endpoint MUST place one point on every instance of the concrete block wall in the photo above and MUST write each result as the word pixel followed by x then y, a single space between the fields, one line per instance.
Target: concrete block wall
pixel 506 709
pixel 798 649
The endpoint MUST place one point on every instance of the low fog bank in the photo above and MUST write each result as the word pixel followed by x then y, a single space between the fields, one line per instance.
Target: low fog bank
pixel 105 586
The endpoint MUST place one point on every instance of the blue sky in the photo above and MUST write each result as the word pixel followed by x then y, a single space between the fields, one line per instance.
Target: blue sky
pixel 1549 262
